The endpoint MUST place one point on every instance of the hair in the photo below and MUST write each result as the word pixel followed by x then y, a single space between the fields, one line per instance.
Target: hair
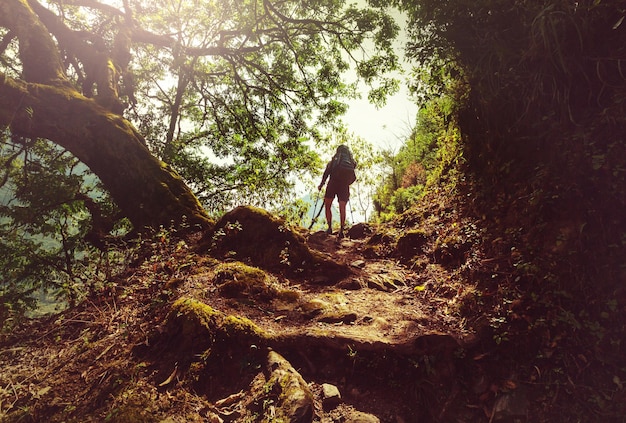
pixel 343 149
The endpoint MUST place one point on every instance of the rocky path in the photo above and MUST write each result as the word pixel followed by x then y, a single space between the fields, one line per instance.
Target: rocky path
pixel 382 303
pixel 185 337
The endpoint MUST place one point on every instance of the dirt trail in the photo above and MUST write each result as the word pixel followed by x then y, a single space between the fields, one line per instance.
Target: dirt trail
pixel 380 303
pixel 84 365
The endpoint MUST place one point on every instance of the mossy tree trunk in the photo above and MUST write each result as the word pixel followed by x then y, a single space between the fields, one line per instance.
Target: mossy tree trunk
pixel 43 104
pixel 146 189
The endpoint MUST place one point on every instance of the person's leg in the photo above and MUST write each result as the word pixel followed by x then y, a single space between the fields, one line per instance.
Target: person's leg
pixel 329 196
pixel 329 214
pixel 343 195
pixel 342 216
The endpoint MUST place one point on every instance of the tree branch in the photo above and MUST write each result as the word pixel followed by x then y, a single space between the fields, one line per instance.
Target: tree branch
pixel 40 59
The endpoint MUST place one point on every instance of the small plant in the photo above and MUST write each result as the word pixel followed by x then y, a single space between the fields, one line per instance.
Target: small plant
pixel 351 352
pixel 284 255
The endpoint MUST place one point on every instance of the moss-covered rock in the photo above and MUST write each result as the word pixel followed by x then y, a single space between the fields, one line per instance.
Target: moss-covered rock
pixel 255 236
pixel 294 399
pixel 250 233
pixel 237 280
pixel 193 327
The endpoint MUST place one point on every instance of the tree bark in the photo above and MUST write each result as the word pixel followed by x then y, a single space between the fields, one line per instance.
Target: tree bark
pixel 147 190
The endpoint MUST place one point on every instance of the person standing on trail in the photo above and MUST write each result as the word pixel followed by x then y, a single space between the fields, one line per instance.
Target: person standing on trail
pixel 340 169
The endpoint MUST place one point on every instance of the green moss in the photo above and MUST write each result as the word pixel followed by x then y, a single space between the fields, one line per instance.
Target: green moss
pixel 236 279
pixel 194 317
pixel 293 397
pixel 238 270
pixel 241 326
pixel 202 326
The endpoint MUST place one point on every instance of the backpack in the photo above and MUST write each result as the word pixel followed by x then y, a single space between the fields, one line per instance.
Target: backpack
pixel 343 166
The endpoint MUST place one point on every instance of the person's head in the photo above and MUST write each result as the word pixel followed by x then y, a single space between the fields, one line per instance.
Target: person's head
pixel 343 149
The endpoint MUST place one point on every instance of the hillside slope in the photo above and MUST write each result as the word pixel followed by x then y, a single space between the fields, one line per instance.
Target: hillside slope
pixel 253 321
pixel 189 326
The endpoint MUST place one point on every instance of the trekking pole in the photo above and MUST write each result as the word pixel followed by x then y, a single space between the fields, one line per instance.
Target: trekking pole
pixel 351 214
pixel 315 216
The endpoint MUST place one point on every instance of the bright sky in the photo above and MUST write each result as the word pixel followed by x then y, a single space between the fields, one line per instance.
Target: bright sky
pixel 389 126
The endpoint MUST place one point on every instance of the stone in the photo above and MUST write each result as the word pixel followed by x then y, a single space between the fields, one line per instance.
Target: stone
pixel 314 307
pixel 351 284
pixel 359 264
pixel 360 417
pixel 359 231
pixel 331 397
pixel 338 316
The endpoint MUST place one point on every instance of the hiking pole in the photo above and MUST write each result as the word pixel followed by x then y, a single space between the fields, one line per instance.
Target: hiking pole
pixel 318 213
pixel 351 214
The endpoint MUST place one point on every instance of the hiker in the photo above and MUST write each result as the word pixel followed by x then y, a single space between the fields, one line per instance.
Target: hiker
pixel 341 171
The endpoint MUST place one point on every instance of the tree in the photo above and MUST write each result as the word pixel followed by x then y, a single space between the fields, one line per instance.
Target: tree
pixel 251 80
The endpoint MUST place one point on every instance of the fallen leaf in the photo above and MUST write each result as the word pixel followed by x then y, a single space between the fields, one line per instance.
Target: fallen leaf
pixel 170 378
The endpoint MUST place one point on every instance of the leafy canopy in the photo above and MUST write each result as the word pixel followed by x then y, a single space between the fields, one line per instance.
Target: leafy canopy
pixel 232 94
pixel 229 91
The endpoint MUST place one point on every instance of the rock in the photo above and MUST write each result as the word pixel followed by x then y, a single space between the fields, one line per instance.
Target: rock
pixel 359 231
pixel 241 232
pixel 193 326
pixel 294 400
pixel 238 280
pixel 328 312
pixel 338 316
pixel 359 264
pixel 371 252
pixel 360 417
pixel 331 397
pixel 351 284
pixel 382 283
pixel 317 237
pixel 411 243
pixel 314 307
pixel 244 229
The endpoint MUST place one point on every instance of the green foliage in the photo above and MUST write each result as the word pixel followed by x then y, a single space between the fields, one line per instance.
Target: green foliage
pixel 231 94
pixel 43 225
pixel 294 213
pixel 248 85
pixel 432 149
pixel 540 135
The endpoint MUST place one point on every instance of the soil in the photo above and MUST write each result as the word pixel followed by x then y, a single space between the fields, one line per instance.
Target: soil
pixel 389 336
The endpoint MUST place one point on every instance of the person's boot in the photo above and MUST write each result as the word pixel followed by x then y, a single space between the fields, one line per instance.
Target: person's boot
pixel 329 231
pixel 340 234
